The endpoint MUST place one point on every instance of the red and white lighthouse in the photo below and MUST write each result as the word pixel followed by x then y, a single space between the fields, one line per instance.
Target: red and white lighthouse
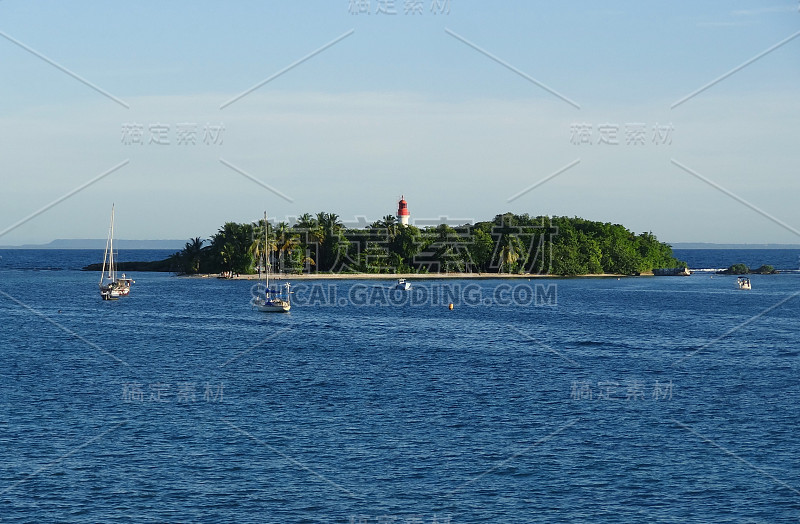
pixel 402 211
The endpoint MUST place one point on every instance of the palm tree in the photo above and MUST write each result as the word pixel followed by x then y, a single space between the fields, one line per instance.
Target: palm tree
pixel 308 223
pixel 333 244
pixel 390 223
pixel 194 245
pixel 237 238
pixel 191 254
pixel 261 247
pixel 285 241
pixel 309 232
pixel 329 224
pixel 226 254
pixel 509 253
pixel 447 247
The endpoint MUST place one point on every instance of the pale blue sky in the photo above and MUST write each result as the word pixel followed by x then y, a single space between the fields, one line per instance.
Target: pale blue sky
pixel 400 105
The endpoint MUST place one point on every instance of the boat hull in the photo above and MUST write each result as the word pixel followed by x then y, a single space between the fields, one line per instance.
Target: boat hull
pixel 271 303
pixel 273 309
pixel 272 306
pixel 109 294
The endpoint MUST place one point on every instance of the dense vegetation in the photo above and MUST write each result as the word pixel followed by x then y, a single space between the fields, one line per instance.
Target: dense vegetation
pixel 508 244
pixel 736 269
pixel 742 269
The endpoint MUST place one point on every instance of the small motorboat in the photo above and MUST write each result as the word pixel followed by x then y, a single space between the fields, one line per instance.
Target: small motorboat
pixel 743 283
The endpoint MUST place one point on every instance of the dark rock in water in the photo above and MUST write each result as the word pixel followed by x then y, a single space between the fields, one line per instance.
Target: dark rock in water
pixel 742 269
pixel 736 269
pixel 764 270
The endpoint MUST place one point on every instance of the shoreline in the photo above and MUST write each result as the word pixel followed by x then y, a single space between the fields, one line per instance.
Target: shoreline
pixel 407 276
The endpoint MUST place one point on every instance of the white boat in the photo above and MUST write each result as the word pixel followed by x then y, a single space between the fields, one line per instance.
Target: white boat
pixel 124 285
pixel 273 301
pixel 402 284
pixel 743 283
pixel 111 287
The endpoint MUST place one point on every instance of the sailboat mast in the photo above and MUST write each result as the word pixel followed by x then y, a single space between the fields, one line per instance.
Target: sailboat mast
pixel 105 254
pixel 266 252
pixel 111 272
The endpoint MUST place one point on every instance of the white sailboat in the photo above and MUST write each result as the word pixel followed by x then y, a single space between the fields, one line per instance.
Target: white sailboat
pixel 273 301
pixel 111 287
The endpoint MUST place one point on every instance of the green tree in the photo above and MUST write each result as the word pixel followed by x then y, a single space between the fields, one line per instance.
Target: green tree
pixel 333 244
pixel 738 269
pixel 286 241
pixel 388 222
pixel 230 247
pixel 262 244
pixel 510 249
pixel 189 259
pixel 509 243
pixel 309 236
pixel 481 248
pixel 403 247
pixel 447 249
pixel 509 253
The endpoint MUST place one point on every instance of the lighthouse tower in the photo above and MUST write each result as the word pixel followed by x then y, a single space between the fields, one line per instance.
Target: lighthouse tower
pixel 402 211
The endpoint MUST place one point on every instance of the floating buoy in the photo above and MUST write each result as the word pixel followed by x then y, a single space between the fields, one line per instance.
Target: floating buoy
pixel 450 306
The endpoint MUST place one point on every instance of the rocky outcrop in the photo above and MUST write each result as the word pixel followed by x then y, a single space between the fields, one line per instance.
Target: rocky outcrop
pixel 742 269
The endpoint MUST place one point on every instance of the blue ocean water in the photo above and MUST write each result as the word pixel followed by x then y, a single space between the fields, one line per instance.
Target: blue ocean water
pixel 781 259
pixel 669 399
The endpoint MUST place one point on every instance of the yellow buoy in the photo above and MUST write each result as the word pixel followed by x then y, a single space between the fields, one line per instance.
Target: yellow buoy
pixel 451 305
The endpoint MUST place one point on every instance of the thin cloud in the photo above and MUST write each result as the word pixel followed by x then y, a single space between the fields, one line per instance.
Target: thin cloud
pixel 765 10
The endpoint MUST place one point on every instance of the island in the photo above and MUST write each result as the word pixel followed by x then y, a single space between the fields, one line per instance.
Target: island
pixel 510 244
pixel 742 269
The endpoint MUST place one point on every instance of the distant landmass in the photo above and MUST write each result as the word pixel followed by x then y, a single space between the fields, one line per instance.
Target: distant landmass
pixel 709 245
pixel 100 243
